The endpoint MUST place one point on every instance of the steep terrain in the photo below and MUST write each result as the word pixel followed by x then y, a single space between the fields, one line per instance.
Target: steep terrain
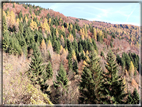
pixel 37 42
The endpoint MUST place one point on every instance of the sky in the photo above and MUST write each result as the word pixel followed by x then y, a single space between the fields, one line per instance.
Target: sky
pixel 116 13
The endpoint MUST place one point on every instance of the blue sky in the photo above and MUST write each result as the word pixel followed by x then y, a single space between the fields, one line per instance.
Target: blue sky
pixel 119 13
pixel 116 13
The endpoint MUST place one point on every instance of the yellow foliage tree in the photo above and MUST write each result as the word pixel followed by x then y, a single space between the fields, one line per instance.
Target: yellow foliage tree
pixel 100 32
pixel 131 68
pixel 49 44
pixel 17 21
pixel 4 14
pixel 67 25
pixel 49 47
pixel 124 82
pixel 49 20
pixel 45 26
pixel 57 33
pixel 33 25
pixel 90 39
pixel 60 19
pixel 82 37
pixel 63 29
pixel 84 64
pixel 12 19
pixel 73 55
pixel 83 52
pixel 71 26
pixel 43 45
pixel 61 49
pixel 87 53
pixel 71 38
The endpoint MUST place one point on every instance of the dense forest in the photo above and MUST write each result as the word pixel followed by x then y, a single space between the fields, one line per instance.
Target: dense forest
pixel 49 58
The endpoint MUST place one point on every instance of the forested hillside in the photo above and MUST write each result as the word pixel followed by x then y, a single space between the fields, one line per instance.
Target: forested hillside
pixel 49 58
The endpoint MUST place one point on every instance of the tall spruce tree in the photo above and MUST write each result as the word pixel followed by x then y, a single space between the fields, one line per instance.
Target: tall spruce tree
pixel 133 98
pixel 75 67
pixel 36 69
pixel 90 81
pixel 111 87
pixel 62 77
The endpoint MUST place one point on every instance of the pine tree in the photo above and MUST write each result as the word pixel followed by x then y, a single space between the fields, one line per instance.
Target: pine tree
pixel 80 48
pixel 70 61
pixel 49 70
pixel 90 81
pixel 75 67
pixel 111 87
pixel 62 77
pixel 133 98
pixel 56 47
pixel 36 69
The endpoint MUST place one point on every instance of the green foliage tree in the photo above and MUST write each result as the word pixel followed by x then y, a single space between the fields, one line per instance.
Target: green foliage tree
pixel 56 47
pixel 4 25
pixel 112 87
pixel 36 68
pixel 5 43
pixel 102 54
pixel 70 60
pixel 133 98
pixel 80 48
pixel 111 44
pixel 61 77
pixel 49 71
pixel 75 67
pixel 90 81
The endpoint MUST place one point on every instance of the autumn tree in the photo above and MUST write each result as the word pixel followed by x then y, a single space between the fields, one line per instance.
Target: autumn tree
pixel 33 25
pixel 131 69
pixel 70 37
pixel 12 19
pixel 94 34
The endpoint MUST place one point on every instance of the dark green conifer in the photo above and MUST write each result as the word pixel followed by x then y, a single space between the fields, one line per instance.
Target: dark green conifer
pixel 62 77
pixel 133 98
pixel 75 67
pixel 90 81
pixel 112 87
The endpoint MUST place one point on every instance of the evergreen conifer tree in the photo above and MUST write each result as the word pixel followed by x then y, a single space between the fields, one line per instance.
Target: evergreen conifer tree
pixel 4 25
pixel 36 69
pixel 62 77
pixel 133 98
pixel 111 87
pixel 75 67
pixel 90 81
pixel 49 70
